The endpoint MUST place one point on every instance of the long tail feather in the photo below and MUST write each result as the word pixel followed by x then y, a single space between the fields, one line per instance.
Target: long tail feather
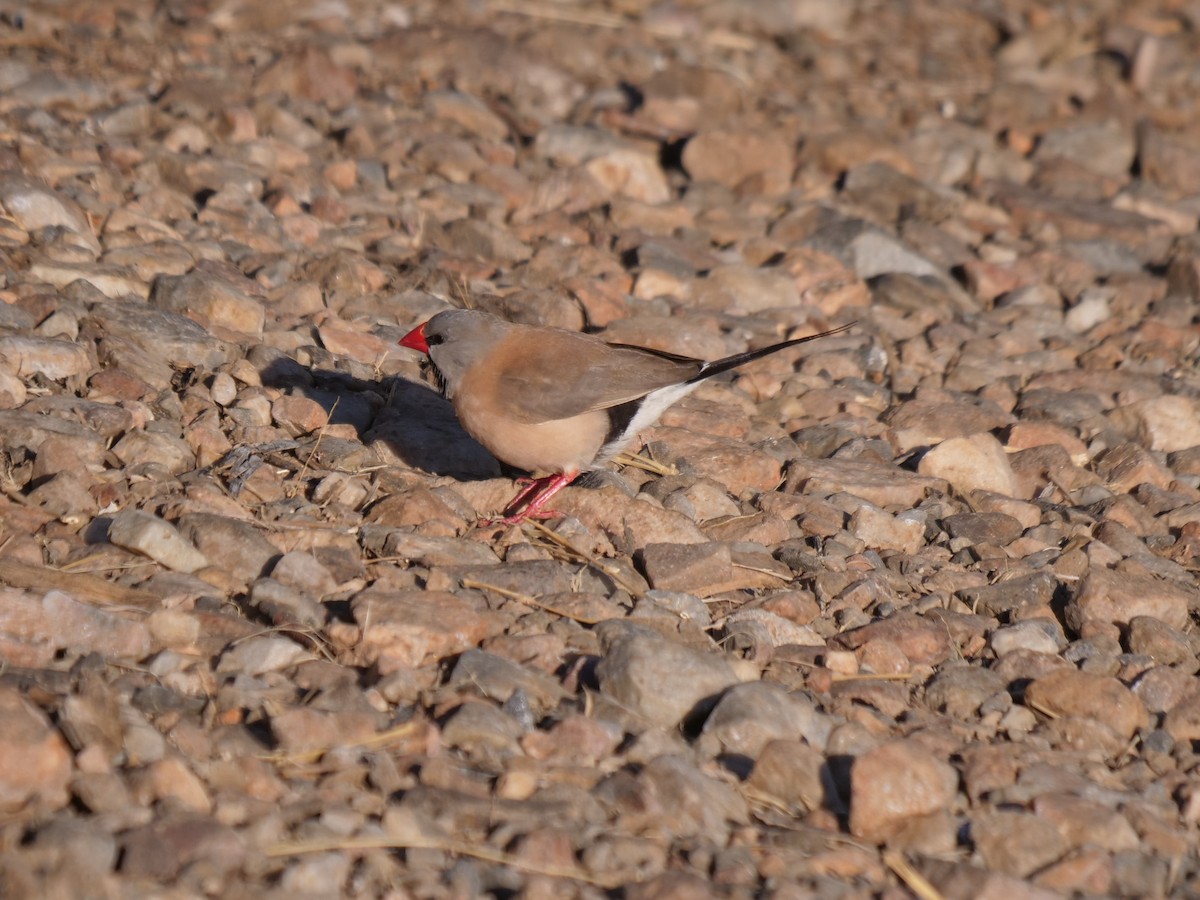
pixel 716 367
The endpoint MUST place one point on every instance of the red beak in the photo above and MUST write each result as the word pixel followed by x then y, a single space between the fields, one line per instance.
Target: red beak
pixel 415 339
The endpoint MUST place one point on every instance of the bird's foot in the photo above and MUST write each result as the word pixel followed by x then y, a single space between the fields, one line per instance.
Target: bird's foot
pixel 530 502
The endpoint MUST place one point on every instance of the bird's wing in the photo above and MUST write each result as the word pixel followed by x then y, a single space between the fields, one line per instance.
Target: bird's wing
pixel 578 376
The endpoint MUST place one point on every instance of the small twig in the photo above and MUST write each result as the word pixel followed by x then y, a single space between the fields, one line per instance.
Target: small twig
pixel 376 742
pixel 593 18
pixel 645 463
pixel 321 644
pixel 839 677
pixel 448 845
pixel 916 882
pixel 296 484
pixel 1044 710
pixel 84 588
pixel 762 571
pixel 533 602
pixel 73 566
pixel 558 13
pixel 579 556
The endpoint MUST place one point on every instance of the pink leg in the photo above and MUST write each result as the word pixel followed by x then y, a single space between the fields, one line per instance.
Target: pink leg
pixel 530 486
pixel 522 507
pixel 534 510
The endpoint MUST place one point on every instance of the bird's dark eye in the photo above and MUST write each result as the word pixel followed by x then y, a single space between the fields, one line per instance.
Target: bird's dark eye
pixel 433 340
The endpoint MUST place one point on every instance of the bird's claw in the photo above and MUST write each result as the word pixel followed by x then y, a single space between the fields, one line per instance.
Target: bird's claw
pixel 517 518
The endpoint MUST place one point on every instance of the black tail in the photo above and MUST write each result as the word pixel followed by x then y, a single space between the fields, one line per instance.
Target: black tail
pixel 716 367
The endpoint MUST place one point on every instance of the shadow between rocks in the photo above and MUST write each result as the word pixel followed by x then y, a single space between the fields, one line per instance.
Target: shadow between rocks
pixel 403 422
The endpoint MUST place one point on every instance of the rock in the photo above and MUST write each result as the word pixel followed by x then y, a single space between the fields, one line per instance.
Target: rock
pixel 750 716
pixel 984 527
pixel 406 628
pixel 1108 596
pixel 482 730
pixel 1166 423
pixel 12 391
pixel 145 341
pixel 610 511
pixel 170 780
pixel 238 545
pixel 893 783
pixel 576 740
pixel 684 801
pixel 630 174
pixel 1168 160
pixel 871 253
pixel 971 463
pixel 366 348
pixel 215 301
pixel 298 415
pixel 881 530
pixel 883 485
pixel 312 74
pixel 793 774
pixel 1126 466
pixel 498 678
pixel 738 288
pixel 962 691
pixel 1083 219
pixel 661 680
pixel 36 762
pixel 419 430
pixel 1088 871
pixel 83 629
pixel 1077 144
pixel 1153 637
pixel 923 423
pixel 729 462
pixel 888 192
pixel 34 206
pixel 26 356
pixel 156 538
pixel 304 729
pixel 1182 721
pixel 162 850
pixel 304 572
pixel 260 655
pixel 474 239
pixel 731 157
pixel 468 111
pixel 921 640
pixel 672 335
pixel 1015 842
pixel 779 630
pixel 284 605
pixel 1069 692
pixel 318 874
pixel 26 430
pixel 688 567
pixel 155 448
pixel 1084 822
pixel 1033 635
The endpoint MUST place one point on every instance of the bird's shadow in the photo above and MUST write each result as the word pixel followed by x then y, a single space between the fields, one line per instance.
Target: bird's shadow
pixel 405 422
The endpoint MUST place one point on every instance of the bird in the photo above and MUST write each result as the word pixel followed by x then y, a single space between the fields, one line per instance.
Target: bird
pixel 553 402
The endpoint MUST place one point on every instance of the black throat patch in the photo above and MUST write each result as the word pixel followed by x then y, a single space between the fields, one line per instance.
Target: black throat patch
pixel 429 367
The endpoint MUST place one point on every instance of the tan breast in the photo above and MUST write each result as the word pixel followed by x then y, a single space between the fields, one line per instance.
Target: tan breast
pixel 558 445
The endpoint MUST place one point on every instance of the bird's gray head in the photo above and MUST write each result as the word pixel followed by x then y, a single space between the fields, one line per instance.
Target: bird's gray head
pixel 454 339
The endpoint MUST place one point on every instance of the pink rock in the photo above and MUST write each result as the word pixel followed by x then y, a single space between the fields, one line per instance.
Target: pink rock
pixel 35 762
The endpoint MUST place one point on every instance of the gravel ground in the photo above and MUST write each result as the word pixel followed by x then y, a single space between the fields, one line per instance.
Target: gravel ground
pixel 907 611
